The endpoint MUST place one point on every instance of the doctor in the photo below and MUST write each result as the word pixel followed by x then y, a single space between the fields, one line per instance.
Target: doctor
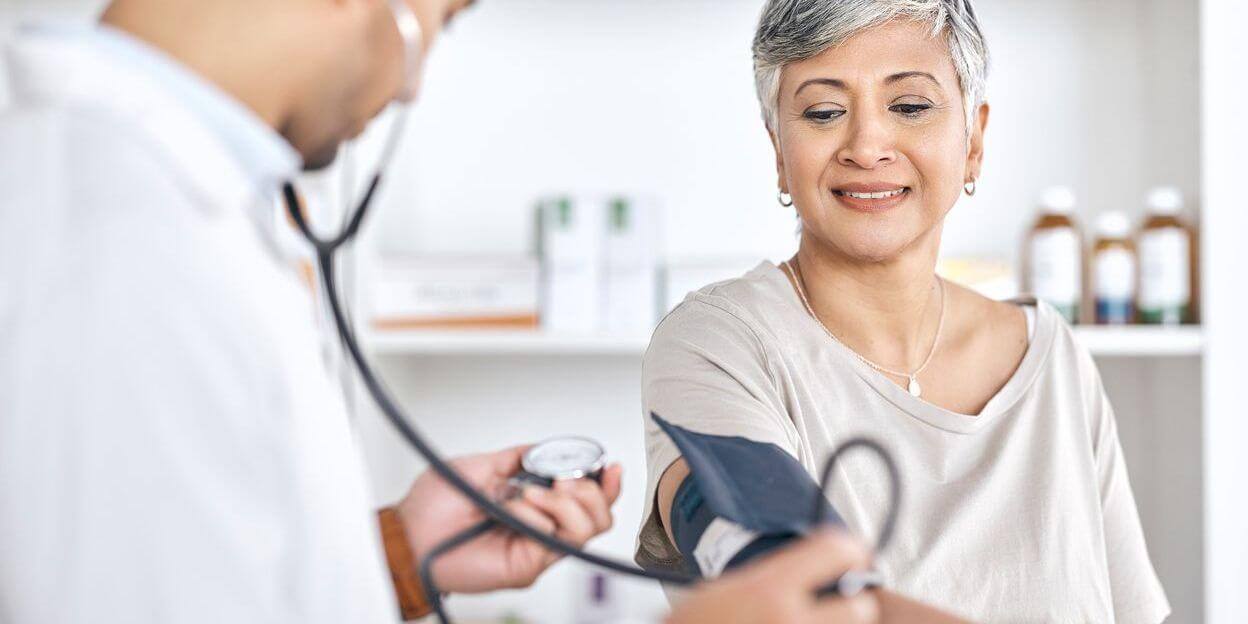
pixel 171 446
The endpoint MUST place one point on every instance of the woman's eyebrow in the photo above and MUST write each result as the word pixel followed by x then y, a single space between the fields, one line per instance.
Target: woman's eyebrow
pixel 840 84
pixel 911 74
pixel 831 82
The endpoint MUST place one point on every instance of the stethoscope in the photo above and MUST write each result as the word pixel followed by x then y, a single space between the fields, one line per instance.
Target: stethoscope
pixel 533 466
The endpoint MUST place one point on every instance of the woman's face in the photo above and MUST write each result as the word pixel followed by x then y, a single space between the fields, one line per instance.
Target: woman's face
pixel 871 141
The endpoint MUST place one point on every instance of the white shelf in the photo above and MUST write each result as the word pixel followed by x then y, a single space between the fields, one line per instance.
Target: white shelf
pixel 1142 341
pixel 502 342
pixel 1134 341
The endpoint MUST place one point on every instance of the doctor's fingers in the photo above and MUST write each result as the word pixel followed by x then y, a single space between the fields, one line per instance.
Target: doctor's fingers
pixel 815 560
pixel 574 523
pixel 594 498
pixel 531 515
pixel 612 482
pixel 487 469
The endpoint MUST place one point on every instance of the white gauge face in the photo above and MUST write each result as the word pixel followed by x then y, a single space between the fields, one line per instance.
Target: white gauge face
pixel 564 458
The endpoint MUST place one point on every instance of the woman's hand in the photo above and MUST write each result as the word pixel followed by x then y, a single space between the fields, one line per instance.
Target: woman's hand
pixel 433 511
pixel 780 589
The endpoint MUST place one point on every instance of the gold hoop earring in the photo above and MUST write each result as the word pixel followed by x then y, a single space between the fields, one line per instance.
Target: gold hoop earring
pixel 780 197
pixel 969 188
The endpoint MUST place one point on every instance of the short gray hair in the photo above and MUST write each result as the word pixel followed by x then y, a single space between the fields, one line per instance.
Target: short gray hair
pixel 795 30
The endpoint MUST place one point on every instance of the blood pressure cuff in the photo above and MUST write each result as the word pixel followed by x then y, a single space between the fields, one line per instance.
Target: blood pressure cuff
pixel 741 499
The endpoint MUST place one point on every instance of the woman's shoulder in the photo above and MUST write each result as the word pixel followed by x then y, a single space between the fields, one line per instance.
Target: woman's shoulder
pixel 729 315
pixel 1003 329
pixel 747 297
pixel 982 320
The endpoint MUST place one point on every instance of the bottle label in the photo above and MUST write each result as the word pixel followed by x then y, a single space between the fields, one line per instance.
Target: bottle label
pixel 1164 271
pixel 1056 273
pixel 1114 311
pixel 1115 274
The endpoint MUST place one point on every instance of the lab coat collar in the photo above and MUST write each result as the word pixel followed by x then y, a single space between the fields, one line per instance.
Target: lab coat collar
pixel 225 153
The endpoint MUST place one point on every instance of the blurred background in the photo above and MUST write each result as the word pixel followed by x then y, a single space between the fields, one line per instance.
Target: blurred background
pixel 574 167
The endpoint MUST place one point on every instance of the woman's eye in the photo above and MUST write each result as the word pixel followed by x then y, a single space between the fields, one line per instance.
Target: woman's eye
pixel 910 110
pixel 823 114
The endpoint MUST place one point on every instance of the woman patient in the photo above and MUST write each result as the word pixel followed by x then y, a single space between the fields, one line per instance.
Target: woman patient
pixel 1017 503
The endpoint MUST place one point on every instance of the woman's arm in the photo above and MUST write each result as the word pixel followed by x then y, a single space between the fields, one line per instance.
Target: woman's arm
pixel 1137 593
pixel 893 607
pixel 671 480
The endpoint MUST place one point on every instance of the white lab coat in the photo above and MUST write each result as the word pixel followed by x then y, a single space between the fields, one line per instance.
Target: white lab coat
pixel 171 446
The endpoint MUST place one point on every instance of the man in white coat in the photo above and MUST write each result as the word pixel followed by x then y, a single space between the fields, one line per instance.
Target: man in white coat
pixel 172 448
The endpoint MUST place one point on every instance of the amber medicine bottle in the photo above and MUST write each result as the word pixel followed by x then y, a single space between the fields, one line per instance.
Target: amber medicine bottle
pixel 1114 270
pixel 1054 259
pixel 1164 245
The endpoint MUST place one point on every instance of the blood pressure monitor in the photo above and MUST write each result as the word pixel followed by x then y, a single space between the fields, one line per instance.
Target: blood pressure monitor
pixel 562 459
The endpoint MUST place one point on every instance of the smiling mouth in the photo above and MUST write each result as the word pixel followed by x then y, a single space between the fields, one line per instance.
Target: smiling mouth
pixel 875 199
pixel 874 195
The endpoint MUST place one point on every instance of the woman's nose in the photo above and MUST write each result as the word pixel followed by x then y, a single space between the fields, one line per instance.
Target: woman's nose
pixel 868 145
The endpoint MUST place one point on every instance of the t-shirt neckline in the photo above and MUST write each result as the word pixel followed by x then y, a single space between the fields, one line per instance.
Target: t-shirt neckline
pixel 1014 389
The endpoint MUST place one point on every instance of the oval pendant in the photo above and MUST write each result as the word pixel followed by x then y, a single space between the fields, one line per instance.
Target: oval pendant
pixel 914 387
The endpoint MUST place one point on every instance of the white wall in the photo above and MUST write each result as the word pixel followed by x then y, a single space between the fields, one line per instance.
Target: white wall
pixel 530 96
pixel 1223 50
pixel 1158 407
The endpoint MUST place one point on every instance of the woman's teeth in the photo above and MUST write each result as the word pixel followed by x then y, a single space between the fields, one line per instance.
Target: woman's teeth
pixel 879 195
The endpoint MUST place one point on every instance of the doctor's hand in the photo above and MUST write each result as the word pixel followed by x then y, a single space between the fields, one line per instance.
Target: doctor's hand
pixel 781 588
pixel 433 511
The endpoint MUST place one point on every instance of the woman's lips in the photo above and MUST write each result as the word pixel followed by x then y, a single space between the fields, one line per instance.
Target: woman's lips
pixel 874 200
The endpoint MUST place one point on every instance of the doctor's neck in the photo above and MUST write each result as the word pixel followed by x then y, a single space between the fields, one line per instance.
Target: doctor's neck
pixel 316 72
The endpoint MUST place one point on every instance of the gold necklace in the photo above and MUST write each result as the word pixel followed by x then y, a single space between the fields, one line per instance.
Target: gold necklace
pixel 913 386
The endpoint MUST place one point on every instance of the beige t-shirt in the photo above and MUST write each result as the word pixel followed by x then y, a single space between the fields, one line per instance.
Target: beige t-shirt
pixel 1022 513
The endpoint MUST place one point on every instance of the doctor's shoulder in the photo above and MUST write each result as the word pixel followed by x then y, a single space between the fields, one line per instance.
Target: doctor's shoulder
pixel 61 154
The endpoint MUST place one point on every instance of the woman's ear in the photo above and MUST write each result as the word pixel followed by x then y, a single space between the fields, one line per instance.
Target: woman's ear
pixel 781 179
pixel 975 151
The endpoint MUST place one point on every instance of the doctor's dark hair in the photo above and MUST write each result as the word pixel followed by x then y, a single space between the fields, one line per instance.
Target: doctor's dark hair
pixel 795 30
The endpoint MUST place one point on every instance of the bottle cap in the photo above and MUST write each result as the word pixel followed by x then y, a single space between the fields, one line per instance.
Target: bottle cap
pixel 1113 224
pixel 1058 200
pixel 1165 200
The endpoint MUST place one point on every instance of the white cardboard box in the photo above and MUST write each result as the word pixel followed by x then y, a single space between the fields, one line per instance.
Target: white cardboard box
pixel 570 239
pixel 630 266
pixel 449 291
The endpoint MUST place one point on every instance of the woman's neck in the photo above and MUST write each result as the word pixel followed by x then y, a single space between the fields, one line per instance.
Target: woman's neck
pixel 888 312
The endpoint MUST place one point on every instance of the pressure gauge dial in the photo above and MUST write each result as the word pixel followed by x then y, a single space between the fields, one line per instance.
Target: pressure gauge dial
pixel 561 459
